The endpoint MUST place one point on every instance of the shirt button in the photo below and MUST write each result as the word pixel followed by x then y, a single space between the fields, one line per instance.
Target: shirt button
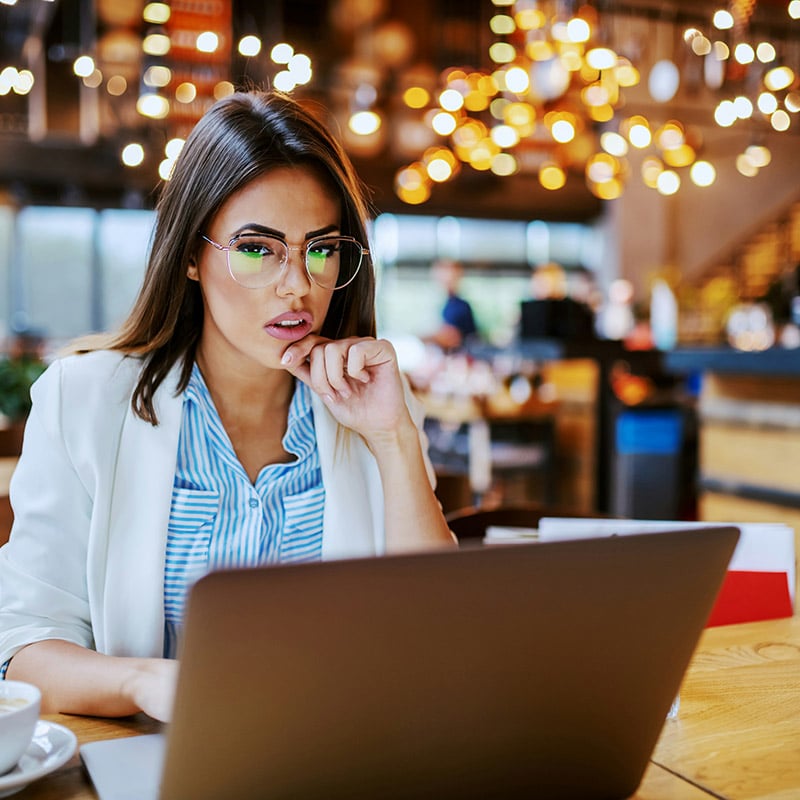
pixel 254 503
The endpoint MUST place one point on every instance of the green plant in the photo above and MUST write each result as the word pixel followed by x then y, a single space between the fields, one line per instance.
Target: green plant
pixel 16 377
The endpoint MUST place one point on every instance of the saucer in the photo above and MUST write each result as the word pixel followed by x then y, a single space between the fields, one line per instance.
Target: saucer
pixel 52 745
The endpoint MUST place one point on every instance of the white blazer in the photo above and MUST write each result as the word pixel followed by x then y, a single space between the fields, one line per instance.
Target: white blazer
pixel 91 497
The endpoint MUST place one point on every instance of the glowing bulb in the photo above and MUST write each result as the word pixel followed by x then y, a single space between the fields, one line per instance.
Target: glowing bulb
pixel 767 103
pixel 668 182
pixel 743 107
pixel 185 92
pixel 152 105
pixel 83 66
pixel 700 45
pixel 725 114
pixel 416 97
pixel 156 44
pixel 284 81
pixel 779 78
pixel 23 82
pixel 249 46
pixel 551 176
pixel 156 13
pixel 765 52
pixel 132 154
pixel 702 173
pixel 723 20
pixel 117 85
pixel 601 168
pixel 759 155
pixel 157 76
pixel 578 30
pixel 281 53
pixel 502 25
pixel 94 80
pixel 364 123
pixel 745 166
pixel 504 164
pixel 505 136
pixel 563 131
pixel 8 78
pixel 690 34
pixel 444 123
pixel 223 89
pixel 614 144
pixel 451 100
pixel 794 9
pixel 640 136
pixel 173 147
pixel 300 67
pixel 517 80
pixel 601 58
pixel 207 42
pixel 439 170
pixel 165 169
pixel 780 121
pixel 744 53
pixel 502 53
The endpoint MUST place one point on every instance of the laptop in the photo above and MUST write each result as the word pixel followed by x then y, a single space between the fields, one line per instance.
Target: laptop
pixel 533 670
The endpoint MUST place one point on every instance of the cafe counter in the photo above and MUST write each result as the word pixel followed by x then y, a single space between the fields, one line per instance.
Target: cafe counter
pixel 749 433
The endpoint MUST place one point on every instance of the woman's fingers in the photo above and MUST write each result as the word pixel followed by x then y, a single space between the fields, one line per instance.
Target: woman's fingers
pixel 333 358
pixel 331 367
pixel 364 354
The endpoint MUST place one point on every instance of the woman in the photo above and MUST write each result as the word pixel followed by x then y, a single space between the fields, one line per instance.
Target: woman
pixel 244 414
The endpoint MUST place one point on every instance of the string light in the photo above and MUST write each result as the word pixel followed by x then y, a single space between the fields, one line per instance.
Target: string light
pixel 553 82
pixel 132 154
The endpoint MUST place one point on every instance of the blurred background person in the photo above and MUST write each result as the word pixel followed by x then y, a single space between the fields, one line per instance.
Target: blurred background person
pixel 552 310
pixel 458 326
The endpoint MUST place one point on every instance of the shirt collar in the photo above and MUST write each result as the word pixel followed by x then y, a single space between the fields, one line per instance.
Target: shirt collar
pixel 299 439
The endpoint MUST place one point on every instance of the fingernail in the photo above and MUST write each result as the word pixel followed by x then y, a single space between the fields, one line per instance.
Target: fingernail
pixel 287 358
pixel 329 398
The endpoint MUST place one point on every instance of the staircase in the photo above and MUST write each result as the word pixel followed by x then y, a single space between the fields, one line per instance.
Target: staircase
pixel 749 273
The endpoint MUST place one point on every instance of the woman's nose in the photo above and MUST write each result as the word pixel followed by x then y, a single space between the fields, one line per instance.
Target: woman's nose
pixel 294 276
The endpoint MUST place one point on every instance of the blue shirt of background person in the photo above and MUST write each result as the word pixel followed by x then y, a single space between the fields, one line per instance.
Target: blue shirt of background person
pixel 458 322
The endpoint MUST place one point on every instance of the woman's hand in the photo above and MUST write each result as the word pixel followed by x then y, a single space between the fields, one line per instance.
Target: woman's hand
pixel 358 380
pixel 152 687
pixel 77 680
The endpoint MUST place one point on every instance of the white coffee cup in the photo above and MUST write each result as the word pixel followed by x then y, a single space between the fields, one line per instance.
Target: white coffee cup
pixel 19 712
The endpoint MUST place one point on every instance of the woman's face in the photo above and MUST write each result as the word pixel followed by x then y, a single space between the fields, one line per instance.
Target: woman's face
pixel 248 327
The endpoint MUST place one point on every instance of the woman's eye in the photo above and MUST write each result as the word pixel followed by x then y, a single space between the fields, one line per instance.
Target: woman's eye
pixel 322 250
pixel 253 248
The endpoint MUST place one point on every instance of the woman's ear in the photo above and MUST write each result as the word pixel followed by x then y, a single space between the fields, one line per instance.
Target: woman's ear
pixel 191 271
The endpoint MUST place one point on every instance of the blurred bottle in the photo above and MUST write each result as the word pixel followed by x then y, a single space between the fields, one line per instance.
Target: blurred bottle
pixel 663 315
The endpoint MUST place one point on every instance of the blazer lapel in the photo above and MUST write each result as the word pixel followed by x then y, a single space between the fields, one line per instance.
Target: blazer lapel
pixel 138 527
pixel 353 519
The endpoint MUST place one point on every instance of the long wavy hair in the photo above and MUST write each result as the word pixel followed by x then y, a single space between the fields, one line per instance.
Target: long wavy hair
pixel 240 138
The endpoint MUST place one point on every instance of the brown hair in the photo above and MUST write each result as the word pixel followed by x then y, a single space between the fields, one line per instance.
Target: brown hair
pixel 240 138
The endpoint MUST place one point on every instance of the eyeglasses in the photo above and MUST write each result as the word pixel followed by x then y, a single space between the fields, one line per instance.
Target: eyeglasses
pixel 257 260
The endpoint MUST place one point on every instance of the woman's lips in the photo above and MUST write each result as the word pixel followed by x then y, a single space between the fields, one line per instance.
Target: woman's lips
pixel 289 327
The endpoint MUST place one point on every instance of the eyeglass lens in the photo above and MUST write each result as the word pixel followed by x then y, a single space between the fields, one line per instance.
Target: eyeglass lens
pixel 257 261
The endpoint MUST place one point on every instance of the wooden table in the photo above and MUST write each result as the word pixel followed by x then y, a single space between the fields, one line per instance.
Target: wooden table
pixel 71 782
pixel 737 734
pixel 738 729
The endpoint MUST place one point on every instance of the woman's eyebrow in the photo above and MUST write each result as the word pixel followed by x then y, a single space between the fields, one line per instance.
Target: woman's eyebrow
pixel 265 229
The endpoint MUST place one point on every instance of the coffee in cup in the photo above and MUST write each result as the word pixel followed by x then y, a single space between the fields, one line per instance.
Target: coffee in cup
pixel 19 712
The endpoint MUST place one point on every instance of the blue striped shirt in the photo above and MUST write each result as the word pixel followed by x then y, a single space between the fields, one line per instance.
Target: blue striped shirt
pixel 219 519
